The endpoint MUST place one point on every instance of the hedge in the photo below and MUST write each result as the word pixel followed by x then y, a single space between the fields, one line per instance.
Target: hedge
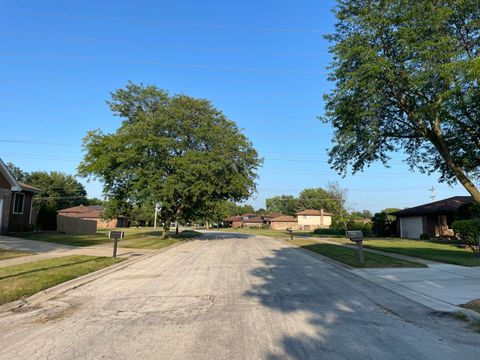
pixel 468 231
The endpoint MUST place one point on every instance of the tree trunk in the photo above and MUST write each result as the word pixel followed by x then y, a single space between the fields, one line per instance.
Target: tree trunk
pixel 176 228
pixel 442 148
pixel 166 229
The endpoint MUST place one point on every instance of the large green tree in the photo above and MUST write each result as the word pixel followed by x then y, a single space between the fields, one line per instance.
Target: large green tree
pixel 406 75
pixel 317 198
pixel 284 204
pixel 59 190
pixel 178 151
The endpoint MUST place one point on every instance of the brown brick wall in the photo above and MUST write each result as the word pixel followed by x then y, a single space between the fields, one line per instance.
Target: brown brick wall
pixel 20 222
pixel 5 194
pixel 277 225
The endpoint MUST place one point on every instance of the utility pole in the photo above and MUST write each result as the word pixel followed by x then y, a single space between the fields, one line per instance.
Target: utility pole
pixel 432 189
pixel 157 208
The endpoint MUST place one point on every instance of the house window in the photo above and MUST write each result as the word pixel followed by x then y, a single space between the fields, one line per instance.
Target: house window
pixel 18 202
pixel 305 216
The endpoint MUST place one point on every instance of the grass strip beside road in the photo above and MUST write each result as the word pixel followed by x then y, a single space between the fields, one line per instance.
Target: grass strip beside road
pixel 10 254
pixel 430 250
pixel 350 256
pixel 23 280
pixel 139 238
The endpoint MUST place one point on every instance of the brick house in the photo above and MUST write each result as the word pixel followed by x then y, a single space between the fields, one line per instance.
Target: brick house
pixel 94 212
pixel 433 219
pixel 16 202
pixel 284 222
pixel 314 219
pixel 304 220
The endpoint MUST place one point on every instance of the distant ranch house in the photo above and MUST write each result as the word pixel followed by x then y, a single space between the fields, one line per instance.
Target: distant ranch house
pixel 314 219
pixel 250 220
pixel 93 212
pixel 309 219
pixel 16 202
pixel 284 222
pixel 433 219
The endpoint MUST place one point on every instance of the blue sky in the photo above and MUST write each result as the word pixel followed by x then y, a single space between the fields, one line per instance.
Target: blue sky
pixel 261 62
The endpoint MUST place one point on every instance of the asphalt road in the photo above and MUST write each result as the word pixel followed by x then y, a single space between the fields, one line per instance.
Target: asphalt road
pixel 233 297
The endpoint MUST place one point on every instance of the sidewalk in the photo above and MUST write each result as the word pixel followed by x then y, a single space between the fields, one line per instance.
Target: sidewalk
pixel 442 287
pixel 45 250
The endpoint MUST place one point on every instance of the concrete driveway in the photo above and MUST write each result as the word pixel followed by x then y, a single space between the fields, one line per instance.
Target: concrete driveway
pixel 233 297
pixel 46 250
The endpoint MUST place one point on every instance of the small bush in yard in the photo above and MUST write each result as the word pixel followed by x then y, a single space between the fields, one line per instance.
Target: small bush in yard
pixel 468 231
pixel 424 237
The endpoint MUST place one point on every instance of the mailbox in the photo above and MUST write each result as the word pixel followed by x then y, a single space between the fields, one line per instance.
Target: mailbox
pixel 355 236
pixel 116 235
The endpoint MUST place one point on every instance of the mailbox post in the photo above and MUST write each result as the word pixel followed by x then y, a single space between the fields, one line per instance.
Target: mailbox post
pixel 115 235
pixel 357 237
pixel 290 231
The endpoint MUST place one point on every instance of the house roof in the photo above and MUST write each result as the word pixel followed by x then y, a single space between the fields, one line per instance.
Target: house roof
pixel 256 219
pixel 82 211
pixel 9 177
pixel 313 212
pixel 438 207
pixel 16 185
pixel 272 215
pixel 284 218
pixel 26 187
pixel 234 218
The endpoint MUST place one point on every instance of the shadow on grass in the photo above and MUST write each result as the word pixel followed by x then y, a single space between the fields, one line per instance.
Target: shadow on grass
pixel 45 268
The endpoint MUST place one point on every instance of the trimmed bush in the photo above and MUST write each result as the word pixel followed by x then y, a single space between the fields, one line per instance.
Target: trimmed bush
pixel 331 231
pixel 424 237
pixel 468 231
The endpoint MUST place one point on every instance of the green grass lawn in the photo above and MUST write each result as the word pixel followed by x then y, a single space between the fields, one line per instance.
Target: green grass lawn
pixel 140 238
pixel 23 280
pixel 430 250
pixel 10 254
pixel 350 256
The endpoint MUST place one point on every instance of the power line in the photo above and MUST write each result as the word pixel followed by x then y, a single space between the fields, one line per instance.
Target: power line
pixel 167 46
pixel 154 63
pixel 170 23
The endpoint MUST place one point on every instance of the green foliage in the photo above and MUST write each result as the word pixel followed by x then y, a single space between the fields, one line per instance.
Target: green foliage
pixel 285 204
pixel 468 211
pixel 175 150
pixel 468 231
pixel 59 190
pixel 331 231
pixel 17 173
pixel 365 228
pixel 47 217
pixel 406 78
pixel 424 237
pixel 317 198
pixel 383 224
pixel 364 214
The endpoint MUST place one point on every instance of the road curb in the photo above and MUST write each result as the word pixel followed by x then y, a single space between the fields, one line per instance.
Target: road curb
pixel 425 300
pixel 56 290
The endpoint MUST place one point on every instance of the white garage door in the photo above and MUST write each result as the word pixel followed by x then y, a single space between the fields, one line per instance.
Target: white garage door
pixel 411 227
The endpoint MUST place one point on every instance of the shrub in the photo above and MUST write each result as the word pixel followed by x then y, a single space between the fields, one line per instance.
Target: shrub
pixel 331 231
pixel 468 231
pixel 424 237
pixel 468 211
pixel 366 229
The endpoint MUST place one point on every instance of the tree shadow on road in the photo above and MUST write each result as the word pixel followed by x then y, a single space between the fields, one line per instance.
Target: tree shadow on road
pixel 327 312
